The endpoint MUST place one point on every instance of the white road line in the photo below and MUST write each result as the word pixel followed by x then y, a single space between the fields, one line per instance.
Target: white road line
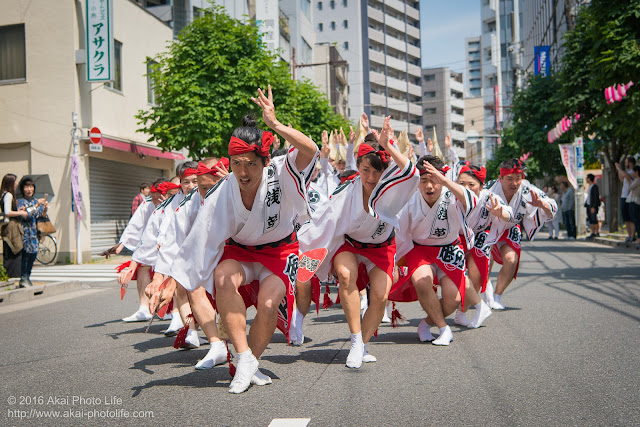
pixel 289 422
pixel 48 300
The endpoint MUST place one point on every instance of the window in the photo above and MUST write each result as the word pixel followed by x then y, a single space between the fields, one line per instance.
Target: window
pixel 345 24
pixel 13 57
pixel 305 5
pixel 320 27
pixel 332 4
pixel 429 77
pixel 306 55
pixel 430 111
pixel 117 76
pixel 345 3
pixel 319 5
pixel 197 12
pixel 345 45
pixel 431 94
pixel 151 92
pixel 333 25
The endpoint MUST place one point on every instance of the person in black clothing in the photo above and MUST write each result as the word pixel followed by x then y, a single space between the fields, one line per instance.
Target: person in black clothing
pixel 592 204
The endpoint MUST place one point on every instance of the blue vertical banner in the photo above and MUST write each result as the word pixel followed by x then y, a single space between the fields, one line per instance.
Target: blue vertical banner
pixel 542 62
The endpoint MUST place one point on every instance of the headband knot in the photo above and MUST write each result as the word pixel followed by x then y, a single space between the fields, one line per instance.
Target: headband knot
pixel 365 149
pixel 238 146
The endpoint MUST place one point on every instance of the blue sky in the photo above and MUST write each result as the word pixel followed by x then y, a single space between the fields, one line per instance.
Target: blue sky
pixel 444 26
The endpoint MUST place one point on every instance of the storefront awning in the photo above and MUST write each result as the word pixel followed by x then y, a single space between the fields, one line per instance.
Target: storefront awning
pixel 139 149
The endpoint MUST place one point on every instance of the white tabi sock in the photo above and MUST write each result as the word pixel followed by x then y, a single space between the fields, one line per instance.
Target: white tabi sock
pixel 174 326
pixel 246 369
pixel 386 318
pixel 354 360
pixel 482 312
pixel 366 357
pixel 139 316
pixel 445 336
pixel 497 302
pixel 424 332
pixel 461 318
pixel 295 332
pixel 260 379
pixel 192 340
pixel 487 295
pixel 217 355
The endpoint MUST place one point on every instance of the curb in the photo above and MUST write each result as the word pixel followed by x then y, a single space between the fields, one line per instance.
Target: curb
pixel 616 243
pixel 39 292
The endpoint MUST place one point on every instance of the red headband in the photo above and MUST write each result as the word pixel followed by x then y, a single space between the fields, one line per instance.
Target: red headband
pixel 348 178
pixel 163 187
pixel 203 170
pixel 515 169
pixel 443 171
pixel 365 149
pixel 481 174
pixel 189 171
pixel 238 146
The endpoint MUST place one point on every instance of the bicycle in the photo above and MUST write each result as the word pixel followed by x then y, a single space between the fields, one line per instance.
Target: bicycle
pixel 47 248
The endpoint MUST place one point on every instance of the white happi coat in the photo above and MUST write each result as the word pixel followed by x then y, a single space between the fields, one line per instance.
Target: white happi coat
pixel 178 229
pixel 147 252
pixel 480 219
pixel 532 218
pixel 344 214
pixel 281 201
pixel 439 225
pixel 328 180
pixel 132 234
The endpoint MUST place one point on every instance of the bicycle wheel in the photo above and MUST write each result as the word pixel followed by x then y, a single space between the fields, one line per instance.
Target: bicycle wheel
pixel 47 250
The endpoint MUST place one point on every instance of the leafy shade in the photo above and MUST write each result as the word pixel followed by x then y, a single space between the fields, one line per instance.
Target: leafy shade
pixel 532 114
pixel 204 84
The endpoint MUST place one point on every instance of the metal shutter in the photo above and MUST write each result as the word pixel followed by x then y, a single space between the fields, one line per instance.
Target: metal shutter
pixel 112 187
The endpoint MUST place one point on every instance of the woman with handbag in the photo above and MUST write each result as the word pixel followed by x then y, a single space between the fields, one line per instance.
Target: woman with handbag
pixel 35 209
pixel 10 226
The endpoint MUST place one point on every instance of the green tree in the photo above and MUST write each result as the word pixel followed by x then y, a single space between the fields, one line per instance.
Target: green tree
pixel 204 82
pixel 532 115
pixel 601 50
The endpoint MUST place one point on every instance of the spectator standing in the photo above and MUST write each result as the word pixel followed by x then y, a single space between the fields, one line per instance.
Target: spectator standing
pixel 554 225
pixel 568 210
pixel 592 204
pixel 601 213
pixel 625 175
pixel 145 190
pixel 35 209
pixel 11 231
pixel 634 201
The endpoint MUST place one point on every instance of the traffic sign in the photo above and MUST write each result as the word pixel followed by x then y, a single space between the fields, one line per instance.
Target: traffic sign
pixel 95 135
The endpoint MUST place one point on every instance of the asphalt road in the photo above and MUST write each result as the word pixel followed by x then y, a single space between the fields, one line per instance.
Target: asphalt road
pixel 565 352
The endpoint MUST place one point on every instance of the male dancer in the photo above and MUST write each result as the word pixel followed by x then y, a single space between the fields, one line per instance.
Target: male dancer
pixel 531 206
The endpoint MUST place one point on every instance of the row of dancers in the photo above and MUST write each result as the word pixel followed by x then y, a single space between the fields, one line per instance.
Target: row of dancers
pixel 394 225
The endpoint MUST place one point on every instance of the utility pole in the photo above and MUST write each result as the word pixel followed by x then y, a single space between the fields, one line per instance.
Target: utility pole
pixel 75 189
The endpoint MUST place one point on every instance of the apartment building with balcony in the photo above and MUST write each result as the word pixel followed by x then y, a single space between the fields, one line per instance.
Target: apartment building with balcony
pixel 443 104
pixel 380 40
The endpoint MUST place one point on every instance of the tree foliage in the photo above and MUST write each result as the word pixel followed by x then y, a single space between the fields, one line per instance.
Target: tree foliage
pixel 204 82
pixel 601 50
pixel 532 115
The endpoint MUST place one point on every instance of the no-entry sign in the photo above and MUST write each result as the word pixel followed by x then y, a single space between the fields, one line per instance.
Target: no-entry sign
pixel 95 135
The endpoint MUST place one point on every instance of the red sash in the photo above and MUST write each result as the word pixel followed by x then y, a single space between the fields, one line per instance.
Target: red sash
pixel 381 254
pixel 512 238
pixel 481 256
pixel 281 258
pixel 450 259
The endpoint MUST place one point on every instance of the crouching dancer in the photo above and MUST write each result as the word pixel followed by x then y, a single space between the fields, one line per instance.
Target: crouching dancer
pixel 245 231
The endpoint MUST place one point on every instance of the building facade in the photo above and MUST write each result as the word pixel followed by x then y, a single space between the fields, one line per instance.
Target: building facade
pixel 331 77
pixel 380 39
pixel 473 77
pixel 35 132
pixel 443 105
pixel 501 63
